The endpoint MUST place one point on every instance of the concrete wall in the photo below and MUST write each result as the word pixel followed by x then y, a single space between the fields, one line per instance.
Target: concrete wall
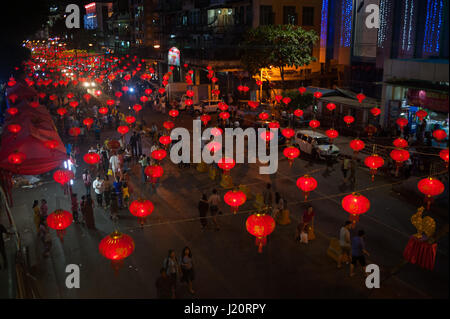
pixel 416 70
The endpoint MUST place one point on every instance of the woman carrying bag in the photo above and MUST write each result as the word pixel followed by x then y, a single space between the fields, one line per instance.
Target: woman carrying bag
pixel 187 268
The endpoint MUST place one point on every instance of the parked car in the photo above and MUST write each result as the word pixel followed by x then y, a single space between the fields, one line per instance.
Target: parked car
pixel 315 144
pixel 207 106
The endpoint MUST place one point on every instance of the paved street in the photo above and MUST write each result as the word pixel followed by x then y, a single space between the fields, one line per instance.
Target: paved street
pixel 227 263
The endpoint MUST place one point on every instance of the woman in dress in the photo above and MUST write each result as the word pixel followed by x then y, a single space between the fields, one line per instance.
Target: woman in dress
pixel 187 268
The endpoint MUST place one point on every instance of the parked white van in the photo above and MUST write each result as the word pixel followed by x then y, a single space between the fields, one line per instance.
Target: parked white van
pixel 315 144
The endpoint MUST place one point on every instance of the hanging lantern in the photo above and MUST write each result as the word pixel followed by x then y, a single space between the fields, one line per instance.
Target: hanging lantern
pixel 98 93
pixel 110 102
pixel 123 129
pixel 224 115
pixel 356 145
pixel 298 112
pixel 291 153
pixel 213 146
pixel 274 125
pixel 286 100
pixel 188 102
pixel 168 125
pixel 137 108
pixel 59 220
pixel 332 134
pixel 159 155
pixel 125 88
pixel 173 113
pixel 317 95
pixel 16 158
pixel 62 176
pixel 306 184
pixel 374 162
pixel 88 122
pixel 430 187
pixel 400 143
pixel 51 144
pixel 130 119
pixel 235 198
pixel 161 91
pixel 74 131
pixel 11 82
pixel 402 122
pixel 331 107
pixel 87 97
pixel 205 118
pixel 190 93
pixel 266 136
pixel 375 111
pixel 421 114
pixel 348 119
pixel 288 132
pixel 278 98
pixel 91 158
pixel 69 95
pixel 355 204
pixel 302 90
pixel 226 164
pixel 148 91
pixel 153 172
pixel 222 106
pixel 61 111
pixel 314 124
pixel 143 99
pixel 103 110
pixel 141 208
pixel 216 131
pixel 260 226
pixel 370 130
pixel 361 97
pixel 34 104
pixel 12 111
pixel 253 104
pixel 399 156
pixel 439 135
pixel 444 156
pixel 14 128
pixel 263 116
pixel 258 83
pixel 165 140
pixel 118 94
pixel 116 247
pixel 53 97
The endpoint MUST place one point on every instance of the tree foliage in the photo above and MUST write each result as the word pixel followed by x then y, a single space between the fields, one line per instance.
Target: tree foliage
pixel 277 45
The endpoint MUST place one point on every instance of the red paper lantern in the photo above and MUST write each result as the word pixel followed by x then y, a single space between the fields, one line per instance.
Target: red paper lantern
pixel 291 153
pixel 125 88
pixel 298 113
pixel 69 95
pixel 235 198
pixel 274 125
pixel 226 164
pixel 402 122
pixel 266 136
pixel 348 119
pixel 168 125
pixel 188 102
pixel 356 145
pixel 98 93
pixel 332 134
pixel 87 97
pixel 110 102
pixel 286 100
pixel 260 226
pixel 63 176
pixel 148 91
pixel 59 220
pixel 174 113
pixel 439 135
pixel 278 98
pixel 258 83
pixel 400 143
pixel 51 144
pixel 11 81
pixel 375 111
pixel 307 184
pixel 143 99
pixel 13 97
pixel 118 94
pixel 205 118
pixel 302 90
pixel 91 158
pixel 141 208
pixel 444 155
pixel 88 122
pixel 123 129
pixel 224 115
pixel 52 97
pixel 317 95
pixel 16 158
pixel 263 116
pixel 12 111
pixel 161 91
pixel 314 124
pixel 130 119
pixel 253 104
pixel 430 187
pixel 165 140
pixel 331 107
pixel 355 204
pixel 421 114
pixel 399 156
pixel 213 146
pixel 360 97
pixel 116 247
pixel 61 111
pixel 190 93
pixel 288 132
pixel 374 162
pixel 103 110
pixel 14 128
pixel 154 172
pixel 74 131
pixel 137 108
pixel 34 104
pixel 216 131
pixel 159 155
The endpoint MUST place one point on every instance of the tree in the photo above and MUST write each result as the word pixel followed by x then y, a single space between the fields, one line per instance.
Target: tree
pixel 279 46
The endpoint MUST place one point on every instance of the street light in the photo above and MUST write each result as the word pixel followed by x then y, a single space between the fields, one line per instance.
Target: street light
pixel 156 46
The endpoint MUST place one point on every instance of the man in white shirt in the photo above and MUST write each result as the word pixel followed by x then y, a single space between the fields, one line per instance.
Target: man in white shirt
pixel 114 164
pixel 344 242
pixel 98 188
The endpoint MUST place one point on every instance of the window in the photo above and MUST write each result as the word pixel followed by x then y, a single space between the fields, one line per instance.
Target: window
pixel 266 16
pixel 289 15
pixel 308 16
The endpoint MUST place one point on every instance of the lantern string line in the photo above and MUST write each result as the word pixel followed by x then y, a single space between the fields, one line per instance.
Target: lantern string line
pixel 193 219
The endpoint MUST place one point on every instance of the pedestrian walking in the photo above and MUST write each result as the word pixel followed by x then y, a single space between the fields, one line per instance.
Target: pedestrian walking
pixel 45 236
pixel 118 190
pixel 308 221
pixel 125 194
pixel 87 180
pixel 213 202
pixel 36 214
pixel 144 163
pixel 114 164
pixel 358 252
pixel 74 202
pixel 203 207
pixel 98 189
pixel 88 212
pixel 345 166
pixel 187 268
pixel 345 243
pixel 172 267
pixel 133 143
pixel 163 285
